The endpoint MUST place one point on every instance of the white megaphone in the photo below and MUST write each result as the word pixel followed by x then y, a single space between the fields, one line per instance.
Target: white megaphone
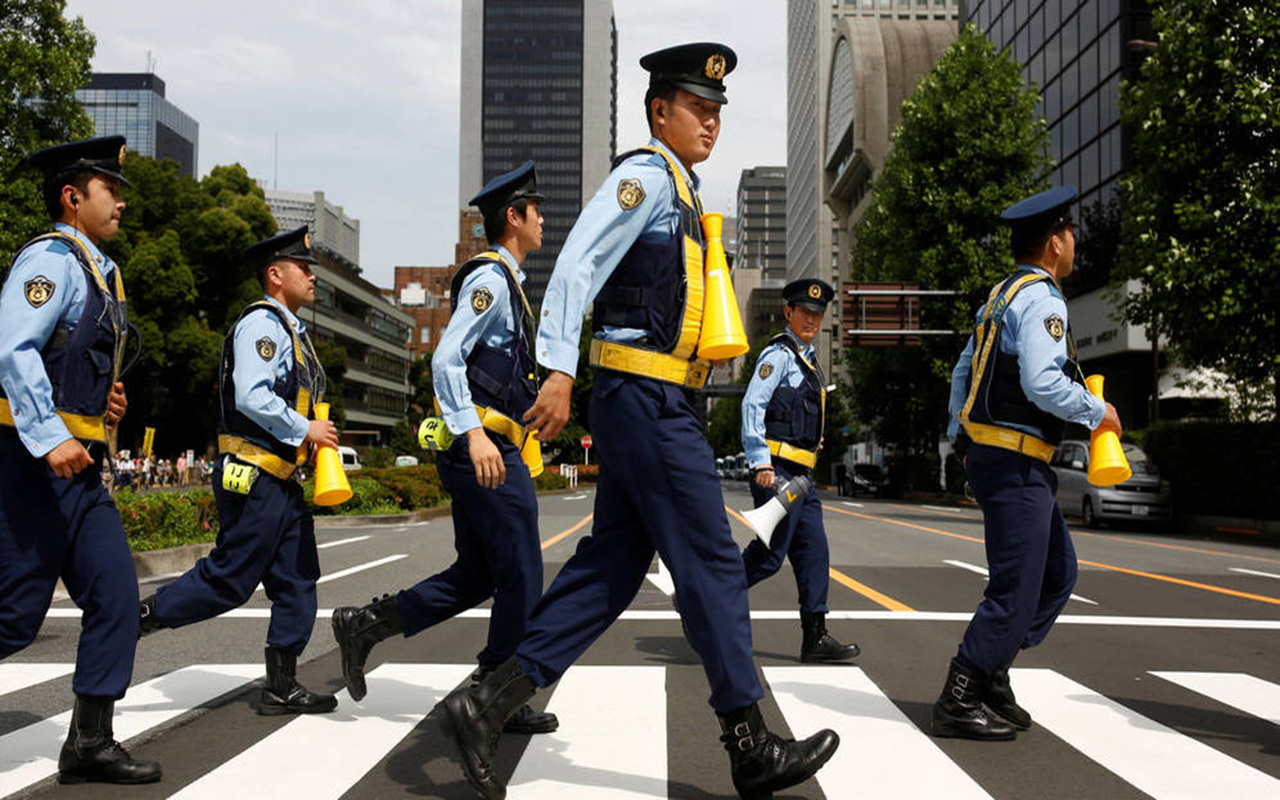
pixel 764 519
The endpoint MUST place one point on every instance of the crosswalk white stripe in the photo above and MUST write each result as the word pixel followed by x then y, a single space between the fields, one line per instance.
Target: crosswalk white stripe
pixel 1236 689
pixel 882 753
pixel 662 579
pixel 30 754
pixel 340 747
pixel 611 745
pixel 20 676
pixel 1156 759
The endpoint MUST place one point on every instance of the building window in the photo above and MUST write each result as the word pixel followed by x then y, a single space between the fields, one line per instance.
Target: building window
pixel 426 335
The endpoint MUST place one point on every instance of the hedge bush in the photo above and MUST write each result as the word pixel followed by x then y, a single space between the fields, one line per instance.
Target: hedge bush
pixel 155 520
pixel 1219 468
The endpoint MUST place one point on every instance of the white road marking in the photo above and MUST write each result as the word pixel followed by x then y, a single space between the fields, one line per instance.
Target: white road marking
pixel 662 579
pixel 850 505
pixel 342 573
pixel 882 753
pixel 344 541
pixel 1236 689
pixel 611 744
pixel 20 676
pixel 983 571
pixel 941 508
pixel 574 497
pixel 340 747
pixel 1154 758
pixel 30 754
pixel 1254 572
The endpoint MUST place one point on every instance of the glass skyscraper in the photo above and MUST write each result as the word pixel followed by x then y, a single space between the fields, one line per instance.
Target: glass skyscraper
pixel 133 105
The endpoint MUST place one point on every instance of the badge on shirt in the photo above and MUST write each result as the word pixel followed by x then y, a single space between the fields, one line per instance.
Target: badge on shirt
pixel 1055 326
pixel 481 299
pixel 766 369
pixel 38 290
pixel 266 348
pixel 630 193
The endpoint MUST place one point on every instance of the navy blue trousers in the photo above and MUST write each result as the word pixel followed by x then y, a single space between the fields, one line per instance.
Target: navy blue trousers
pixel 1031 560
pixel 800 536
pixel 495 533
pixel 67 528
pixel 657 489
pixel 267 537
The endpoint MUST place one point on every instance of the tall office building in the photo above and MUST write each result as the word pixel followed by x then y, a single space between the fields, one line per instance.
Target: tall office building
pixel 330 227
pixel 133 105
pixel 539 81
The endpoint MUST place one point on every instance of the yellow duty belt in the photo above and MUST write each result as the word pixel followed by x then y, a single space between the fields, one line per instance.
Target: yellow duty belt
pixel 649 364
pixel 1009 439
pixel 805 458
pixel 260 457
pixel 93 429
pixel 494 420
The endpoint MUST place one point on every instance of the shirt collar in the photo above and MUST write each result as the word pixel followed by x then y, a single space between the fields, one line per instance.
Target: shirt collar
pixel 510 259
pixel 805 349
pixel 1038 268
pixel 105 264
pixel 294 319
pixel 689 175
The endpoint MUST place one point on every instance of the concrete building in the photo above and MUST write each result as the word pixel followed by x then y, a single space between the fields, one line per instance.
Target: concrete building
pixel 1076 52
pixel 133 105
pixel 539 81
pixel 762 221
pixel 330 227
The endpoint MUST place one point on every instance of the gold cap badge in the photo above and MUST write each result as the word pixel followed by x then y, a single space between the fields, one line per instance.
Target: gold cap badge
pixel 815 291
pixel 306 240
pixel 715 67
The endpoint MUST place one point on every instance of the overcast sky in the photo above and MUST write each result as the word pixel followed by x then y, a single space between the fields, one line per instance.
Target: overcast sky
pixel 364 97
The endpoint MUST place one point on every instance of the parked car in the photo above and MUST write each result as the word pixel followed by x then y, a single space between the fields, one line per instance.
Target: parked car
pixel 406 461
pixel 350 459
pixel 868 479
pixel 1143 498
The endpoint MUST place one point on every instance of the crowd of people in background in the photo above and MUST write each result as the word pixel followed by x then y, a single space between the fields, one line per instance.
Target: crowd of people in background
pixel 141 474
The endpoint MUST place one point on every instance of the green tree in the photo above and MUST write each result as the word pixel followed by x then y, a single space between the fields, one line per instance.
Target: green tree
pixel 1201 225
pixel 44 58
pixel 969 144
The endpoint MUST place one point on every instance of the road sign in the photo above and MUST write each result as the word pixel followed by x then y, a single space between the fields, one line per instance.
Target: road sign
pixel 585 441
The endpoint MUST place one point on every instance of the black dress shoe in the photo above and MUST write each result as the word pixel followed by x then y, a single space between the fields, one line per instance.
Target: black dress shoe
pixel 763 763
pixel 959 712
pixel 91 752
pixel 282 693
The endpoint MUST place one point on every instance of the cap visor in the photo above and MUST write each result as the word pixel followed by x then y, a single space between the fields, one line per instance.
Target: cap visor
pixel 705 92
pixel 809 304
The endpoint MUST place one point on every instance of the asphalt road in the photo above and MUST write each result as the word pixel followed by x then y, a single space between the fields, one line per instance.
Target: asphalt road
pixel 1159 680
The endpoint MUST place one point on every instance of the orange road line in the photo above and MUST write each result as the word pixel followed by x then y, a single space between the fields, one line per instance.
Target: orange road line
pixel 1139 573
pixel 857 586
pixel 739 518
pixel 869 593
pixel 565 533
pixel 1246 531
pixel 1203 550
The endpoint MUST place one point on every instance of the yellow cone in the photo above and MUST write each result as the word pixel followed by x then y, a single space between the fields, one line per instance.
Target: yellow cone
pixel 722 333
pixel 1107 464
pixel 332 487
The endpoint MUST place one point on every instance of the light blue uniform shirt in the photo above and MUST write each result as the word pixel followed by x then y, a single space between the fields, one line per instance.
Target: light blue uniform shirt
pixel 599 239
pixel 255 376
pixel 785 371
pixel 1040 361
pixel 25 330
pixel 493 326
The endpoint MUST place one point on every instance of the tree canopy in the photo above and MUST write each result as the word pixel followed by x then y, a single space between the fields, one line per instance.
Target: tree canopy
pixel 1201 223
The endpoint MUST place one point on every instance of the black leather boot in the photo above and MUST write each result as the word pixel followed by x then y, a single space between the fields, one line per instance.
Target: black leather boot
pixel 959 711
pixel 282 693
pixel 524 720
pixel 997 695
pixel 91 752
pixel 148 622
pixel 357 630
pixel 474 717
pixel 819 646
pixel 763 763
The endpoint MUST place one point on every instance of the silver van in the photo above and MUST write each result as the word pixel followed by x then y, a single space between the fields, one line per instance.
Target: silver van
pixel 1144 498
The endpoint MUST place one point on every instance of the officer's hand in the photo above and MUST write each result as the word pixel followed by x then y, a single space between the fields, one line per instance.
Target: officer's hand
pixel 1111 420
pixel 322 433
pixel 117 404
pixel 765 478
pixel 68 458
pixel 550 412
pixel 491 472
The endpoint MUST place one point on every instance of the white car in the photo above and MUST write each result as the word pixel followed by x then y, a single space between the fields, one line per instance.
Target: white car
pixel 406 461
pixel 1143 498
pixel 350 459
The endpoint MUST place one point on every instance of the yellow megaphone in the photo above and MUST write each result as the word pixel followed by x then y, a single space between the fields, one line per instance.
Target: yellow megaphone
pixel 1107 464
pixel 531 454
pixel 722 333
pixel 332 487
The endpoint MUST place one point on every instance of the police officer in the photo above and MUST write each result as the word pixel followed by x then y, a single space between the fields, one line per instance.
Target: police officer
pixel 63 307
pixel 269 381
pixel 636 250
pixel 483 373
pixel 1013 390
pixel 782 418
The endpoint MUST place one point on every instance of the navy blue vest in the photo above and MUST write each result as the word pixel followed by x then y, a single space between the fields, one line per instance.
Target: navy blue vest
pixel 301 387
pixel 794 413
pixel 505 382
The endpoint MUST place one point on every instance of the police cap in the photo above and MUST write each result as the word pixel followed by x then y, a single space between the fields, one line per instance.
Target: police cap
pixel 102 154
pixel 698 68
pixel 810 293
pixel 296 244
pixel 507 188
pixel 1041 213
